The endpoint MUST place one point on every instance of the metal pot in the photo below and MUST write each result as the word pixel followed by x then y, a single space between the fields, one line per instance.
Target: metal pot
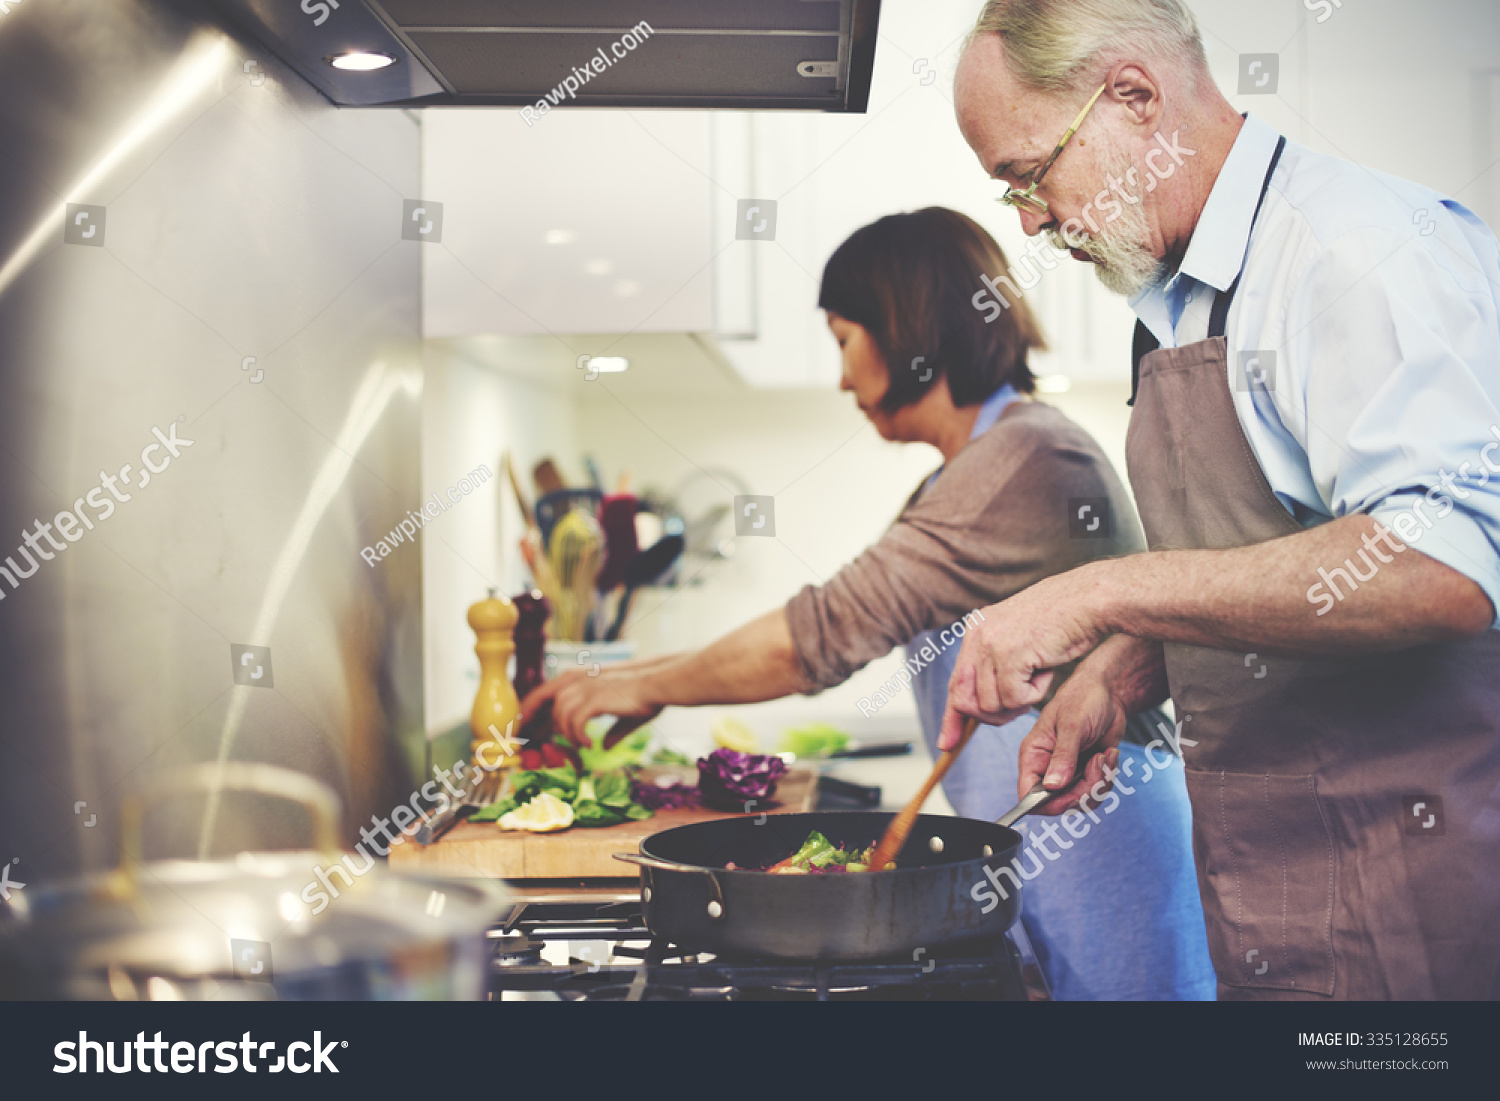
pixel 690 898
pixel 244 928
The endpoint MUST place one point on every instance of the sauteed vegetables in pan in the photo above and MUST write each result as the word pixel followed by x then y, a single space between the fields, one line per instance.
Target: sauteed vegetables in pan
pixel 820 856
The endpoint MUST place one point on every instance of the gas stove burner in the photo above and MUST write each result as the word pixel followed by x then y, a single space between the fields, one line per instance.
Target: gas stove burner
pixel 517 949
pixel 580 950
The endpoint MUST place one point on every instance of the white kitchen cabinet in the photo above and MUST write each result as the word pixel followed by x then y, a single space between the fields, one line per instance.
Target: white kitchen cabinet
pixel 584 222
pixel 830 175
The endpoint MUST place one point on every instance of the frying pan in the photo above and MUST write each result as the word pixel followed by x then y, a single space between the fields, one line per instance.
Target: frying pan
pixel 690 898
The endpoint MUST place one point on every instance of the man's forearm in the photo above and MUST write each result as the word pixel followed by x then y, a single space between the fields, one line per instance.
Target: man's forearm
pixel 1257 596
pixel 752 663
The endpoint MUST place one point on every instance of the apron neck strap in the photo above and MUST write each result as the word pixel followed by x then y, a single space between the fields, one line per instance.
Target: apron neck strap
pixel 1144 343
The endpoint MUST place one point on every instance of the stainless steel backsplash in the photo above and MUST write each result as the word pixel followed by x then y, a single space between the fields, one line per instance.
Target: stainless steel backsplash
pixel 195 245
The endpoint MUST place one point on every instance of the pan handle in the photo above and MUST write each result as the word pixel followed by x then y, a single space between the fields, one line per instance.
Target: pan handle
pixel 715 904
pixel 1032 799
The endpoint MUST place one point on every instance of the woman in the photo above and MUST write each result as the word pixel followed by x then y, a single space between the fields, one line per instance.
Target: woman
pixel 1116 913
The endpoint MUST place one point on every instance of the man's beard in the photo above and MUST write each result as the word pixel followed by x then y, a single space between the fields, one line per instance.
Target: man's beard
pixel 1121 250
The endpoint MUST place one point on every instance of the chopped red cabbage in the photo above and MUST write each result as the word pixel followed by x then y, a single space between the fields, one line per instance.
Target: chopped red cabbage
pixel 727 780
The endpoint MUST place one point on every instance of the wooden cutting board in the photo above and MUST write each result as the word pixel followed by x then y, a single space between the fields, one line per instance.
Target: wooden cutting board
pixel 484 850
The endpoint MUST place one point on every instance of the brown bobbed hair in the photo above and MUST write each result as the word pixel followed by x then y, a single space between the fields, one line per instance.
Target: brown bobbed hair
pixel 910 280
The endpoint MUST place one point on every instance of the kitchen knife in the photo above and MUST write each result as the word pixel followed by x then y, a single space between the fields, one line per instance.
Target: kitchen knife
pixel 853 750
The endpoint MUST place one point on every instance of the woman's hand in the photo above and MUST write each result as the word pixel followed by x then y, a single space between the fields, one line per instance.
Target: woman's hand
pixel 577 696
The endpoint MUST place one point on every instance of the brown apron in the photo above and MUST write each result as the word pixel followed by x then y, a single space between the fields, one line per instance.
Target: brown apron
pixel 1346 811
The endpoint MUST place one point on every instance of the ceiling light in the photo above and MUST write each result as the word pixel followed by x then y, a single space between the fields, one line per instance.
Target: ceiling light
pixel 560 237
pixel 598 267
pixel 1054 384
pixel 360 61
pixel 609 365
pixel 627 288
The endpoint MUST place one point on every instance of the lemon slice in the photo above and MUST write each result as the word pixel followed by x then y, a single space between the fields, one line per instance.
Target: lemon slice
pixel 733 734
pixel 543 814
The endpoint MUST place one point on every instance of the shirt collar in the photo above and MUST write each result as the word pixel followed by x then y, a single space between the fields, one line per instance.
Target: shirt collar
pixel 990 411
pixel 1216 250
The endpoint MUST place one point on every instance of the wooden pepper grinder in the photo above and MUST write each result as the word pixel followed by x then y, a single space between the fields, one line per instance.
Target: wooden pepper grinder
pixel 530 641
pixel 495 706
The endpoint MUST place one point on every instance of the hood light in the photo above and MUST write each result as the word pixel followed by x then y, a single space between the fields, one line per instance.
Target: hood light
pixel 361 62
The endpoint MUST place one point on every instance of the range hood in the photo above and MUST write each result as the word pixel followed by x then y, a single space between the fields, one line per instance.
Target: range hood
pixel 752 55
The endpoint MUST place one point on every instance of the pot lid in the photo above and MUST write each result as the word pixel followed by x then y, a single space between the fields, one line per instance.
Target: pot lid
pixel 189 921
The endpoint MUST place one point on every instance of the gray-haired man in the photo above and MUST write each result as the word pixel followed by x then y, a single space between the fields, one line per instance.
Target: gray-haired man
pixel 1316 369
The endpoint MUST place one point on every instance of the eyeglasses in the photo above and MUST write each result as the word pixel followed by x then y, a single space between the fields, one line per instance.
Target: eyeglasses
pixel 1027 198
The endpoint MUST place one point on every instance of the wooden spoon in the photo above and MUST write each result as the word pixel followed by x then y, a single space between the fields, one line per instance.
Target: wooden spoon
pixel 900 828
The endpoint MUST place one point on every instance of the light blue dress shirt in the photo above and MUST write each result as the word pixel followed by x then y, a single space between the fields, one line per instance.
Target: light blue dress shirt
pixel 1379 301
pixel 1116 915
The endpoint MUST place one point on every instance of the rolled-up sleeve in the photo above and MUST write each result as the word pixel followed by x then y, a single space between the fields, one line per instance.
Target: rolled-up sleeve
pixel 1394 349
pixel 993 523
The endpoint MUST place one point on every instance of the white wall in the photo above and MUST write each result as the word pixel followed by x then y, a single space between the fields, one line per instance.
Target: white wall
pixel 471 414
pixel 1405 88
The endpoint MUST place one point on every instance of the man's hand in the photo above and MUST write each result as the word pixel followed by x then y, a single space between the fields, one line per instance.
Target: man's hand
pixel 1083 724
pixel 577 697
pixel 1007 662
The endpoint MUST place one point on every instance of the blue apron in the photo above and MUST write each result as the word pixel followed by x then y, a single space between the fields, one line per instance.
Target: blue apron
pixel 1115 914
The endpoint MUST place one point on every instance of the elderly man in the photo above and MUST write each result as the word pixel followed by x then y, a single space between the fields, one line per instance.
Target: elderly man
pixel 1312 449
